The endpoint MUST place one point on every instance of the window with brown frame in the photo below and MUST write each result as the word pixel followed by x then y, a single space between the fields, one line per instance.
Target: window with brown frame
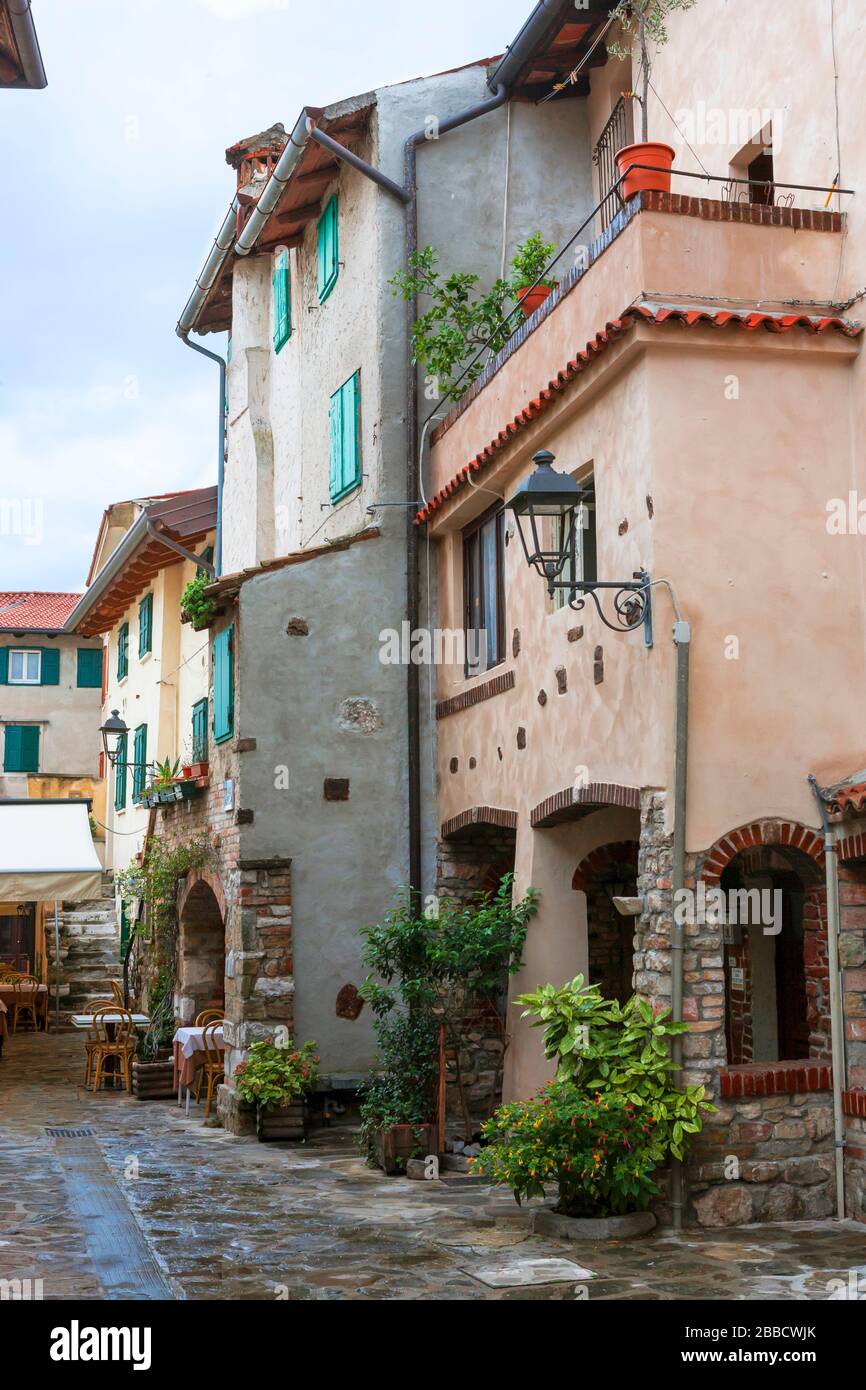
pixel 484 591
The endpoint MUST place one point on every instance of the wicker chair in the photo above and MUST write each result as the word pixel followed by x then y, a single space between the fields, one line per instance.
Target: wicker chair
pixel 114 1033
pixel 213 1070
pixel 91 1039
pixel 26 1001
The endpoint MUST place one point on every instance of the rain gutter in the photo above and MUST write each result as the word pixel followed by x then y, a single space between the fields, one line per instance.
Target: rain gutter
pixel 24 33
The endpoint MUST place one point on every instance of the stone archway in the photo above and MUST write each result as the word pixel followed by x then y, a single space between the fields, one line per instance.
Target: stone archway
pixel 607 872
pixel 201 945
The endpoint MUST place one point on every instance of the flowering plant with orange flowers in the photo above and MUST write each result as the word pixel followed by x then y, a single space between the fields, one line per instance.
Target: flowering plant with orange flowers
pixel 599 1151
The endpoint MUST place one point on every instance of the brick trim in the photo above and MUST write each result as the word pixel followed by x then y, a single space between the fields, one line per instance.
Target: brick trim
pixel 788 834
pixel 774 1079
pixel 475 695
pixel 572 803
pixel 854 1103
pixel 756 214
pixel 598 859
pixel 193 879
pixel 479 815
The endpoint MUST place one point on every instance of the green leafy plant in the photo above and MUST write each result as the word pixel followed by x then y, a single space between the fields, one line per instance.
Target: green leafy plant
pixel 448 965
pixel 460 319
pixel 600 1151
pixel 195 605
pixel 164 774
pixel 273 1077
pixel 403 1091
pixel 643 26
pixel 153 884
pixel 530 261
pixel 618 1050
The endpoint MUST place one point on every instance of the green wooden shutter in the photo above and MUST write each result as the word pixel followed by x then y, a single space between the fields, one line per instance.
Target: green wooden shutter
pixel 120 774
pixel 329 248
pixel 145 625
pixel 345 420
pixel 336 427
pixel 199 731
pixel 282 301
pixel 89 669
pixel 4 665
pixel 124 931
pixel 50 666
pixel 139 758
pixel 223 686
pixel 123 651
pixel 21 748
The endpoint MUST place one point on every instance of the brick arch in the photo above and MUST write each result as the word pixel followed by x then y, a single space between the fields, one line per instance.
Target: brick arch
pixel 598 859
pixel 761 833
pixel 207 876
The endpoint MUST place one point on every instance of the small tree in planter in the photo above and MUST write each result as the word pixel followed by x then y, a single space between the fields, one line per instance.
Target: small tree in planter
pixel 528 266
pixel 448 966
pixel 276 1080
pixel 398 1103
pixel 642 28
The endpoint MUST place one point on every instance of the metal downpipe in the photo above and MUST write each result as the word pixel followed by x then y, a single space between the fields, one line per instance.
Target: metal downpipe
pixel 221 456
pixel 682 640
pixel 24 33
pixel 837 1034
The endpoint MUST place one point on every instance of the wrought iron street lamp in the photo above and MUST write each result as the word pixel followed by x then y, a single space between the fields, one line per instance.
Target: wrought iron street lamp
pixel 547 506
pixel 113 732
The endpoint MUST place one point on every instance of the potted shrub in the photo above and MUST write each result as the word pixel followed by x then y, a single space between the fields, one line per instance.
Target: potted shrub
pixel 153 1064
pixel 642 24
pixel 276 1080
pixel 528 265
pixel 614 1070
pixel 398 1103
pixel 195 605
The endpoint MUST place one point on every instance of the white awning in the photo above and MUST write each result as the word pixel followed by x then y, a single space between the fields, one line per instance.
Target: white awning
pixel 46 851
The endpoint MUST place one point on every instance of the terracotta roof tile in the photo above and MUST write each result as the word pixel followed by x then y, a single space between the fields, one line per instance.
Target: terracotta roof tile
pixel 29 611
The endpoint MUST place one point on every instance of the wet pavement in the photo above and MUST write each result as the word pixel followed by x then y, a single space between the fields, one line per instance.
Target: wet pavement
pixel 152 1204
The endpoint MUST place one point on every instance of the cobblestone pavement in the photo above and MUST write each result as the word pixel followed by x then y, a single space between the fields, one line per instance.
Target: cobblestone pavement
pixel 227 1218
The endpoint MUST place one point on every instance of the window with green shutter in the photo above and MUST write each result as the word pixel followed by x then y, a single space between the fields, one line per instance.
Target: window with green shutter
pixel 89 670
pixel 21 748
pixel 120 774
pixel 123 651
pixel 145 625
pixel 139 762
pixel 199 731
pixel 345 425
pixel 329 248
pixel 282 300
pixel 223 686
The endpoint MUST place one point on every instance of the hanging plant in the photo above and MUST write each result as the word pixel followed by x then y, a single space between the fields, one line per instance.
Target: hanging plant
pixel 196 606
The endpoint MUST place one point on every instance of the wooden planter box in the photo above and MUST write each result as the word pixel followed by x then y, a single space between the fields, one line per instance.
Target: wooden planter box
pixel 287 1123
pixel 153 1080
pixel 395 1146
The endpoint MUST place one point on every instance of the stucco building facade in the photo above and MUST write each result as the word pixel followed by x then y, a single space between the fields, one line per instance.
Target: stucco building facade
pixel 684 375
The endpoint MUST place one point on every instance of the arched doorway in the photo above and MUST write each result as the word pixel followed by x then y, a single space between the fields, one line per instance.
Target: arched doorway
pixel 775 957
pixel 609 872
pixel 201 950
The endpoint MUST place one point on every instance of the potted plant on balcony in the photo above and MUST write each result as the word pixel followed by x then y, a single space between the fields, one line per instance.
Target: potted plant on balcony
pixel 642 27
pixel 529 264
pixel 276 1080
pixel 195 605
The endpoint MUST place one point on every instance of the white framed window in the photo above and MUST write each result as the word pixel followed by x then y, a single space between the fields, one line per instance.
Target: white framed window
pixel 25 667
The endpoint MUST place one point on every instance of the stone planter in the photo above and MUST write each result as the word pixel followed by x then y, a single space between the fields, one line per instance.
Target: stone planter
pixel 287 1123
pixel 549 1223
pixel 394 1147
pixel 153 1080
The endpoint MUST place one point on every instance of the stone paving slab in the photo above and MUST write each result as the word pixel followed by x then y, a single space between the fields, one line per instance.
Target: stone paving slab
pixel 228 1218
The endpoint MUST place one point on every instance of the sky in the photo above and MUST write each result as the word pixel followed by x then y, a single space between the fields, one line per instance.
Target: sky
pixel 116 183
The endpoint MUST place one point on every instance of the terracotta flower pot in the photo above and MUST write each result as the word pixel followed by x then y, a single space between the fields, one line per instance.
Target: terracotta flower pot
pixel 187 769
pixel 531 299
pixel 661 157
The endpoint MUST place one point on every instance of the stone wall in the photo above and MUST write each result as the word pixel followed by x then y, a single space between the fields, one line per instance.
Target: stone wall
pixel 89 951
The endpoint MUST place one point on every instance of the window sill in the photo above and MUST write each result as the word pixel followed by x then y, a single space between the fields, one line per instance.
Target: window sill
pixel 347 492
pixel 774 1078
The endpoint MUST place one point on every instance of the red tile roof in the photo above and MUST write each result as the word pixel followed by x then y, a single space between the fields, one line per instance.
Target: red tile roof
pixel 851 798
pixel 28 611
pixel 687 315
